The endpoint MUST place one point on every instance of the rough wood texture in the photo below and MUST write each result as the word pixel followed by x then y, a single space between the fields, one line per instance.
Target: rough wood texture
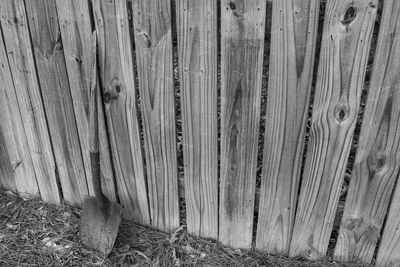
pixel 14 132
pixel 22 65
pixel 7 179
pixel 293 42
pixel 377 162
pixel 344 53
pixel 197 36
pixel 242 47
pixel 75 27
pixel 53 79
pixel 153 42
pixel 117 80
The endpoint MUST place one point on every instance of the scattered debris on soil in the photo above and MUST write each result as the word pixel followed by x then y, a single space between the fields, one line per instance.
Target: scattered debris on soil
pixel 33 233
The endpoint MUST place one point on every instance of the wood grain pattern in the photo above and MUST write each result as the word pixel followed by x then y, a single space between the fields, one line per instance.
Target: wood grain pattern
pixel 377 162
pixel 345 46
pixel 20 55
pixel 242 47
pixel 53 79
pixel 14 132
pixel 75 27
pixel 197 36
pixel 117 79
pixel 153 43
pixel 293 42
pixel 7 179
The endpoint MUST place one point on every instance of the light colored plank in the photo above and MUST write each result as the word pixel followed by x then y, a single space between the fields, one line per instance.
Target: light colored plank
pixel 22 65
pixel 53 79
pixel 76 31
pixel 344 54
pixel 293 43
pixel 153 43
pixel 377 161
pixel 117 79
pixel 242 47
pixel 7 179
pixel 14 131
pixel 197 36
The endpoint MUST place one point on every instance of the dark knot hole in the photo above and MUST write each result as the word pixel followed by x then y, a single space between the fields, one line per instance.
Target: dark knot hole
pixel 349 15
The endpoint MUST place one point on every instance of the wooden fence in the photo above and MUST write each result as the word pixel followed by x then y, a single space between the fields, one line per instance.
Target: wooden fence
pixel 206 113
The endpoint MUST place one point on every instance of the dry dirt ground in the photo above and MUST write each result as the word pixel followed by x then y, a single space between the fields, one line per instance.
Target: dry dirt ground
pixel 33 233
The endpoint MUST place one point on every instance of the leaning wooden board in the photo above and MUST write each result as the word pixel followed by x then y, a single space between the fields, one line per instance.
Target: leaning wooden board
pixel 22 64
pixel 197 36
pixel 119 94
pixel 153 43
pixel 348 27
pixel 242 47
pixel 76 30
pixel 7 179
pixel 293 42
pixel 54 84
pixel 13 130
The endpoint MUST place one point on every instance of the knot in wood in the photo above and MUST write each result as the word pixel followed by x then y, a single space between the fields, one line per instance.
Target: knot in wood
pixel 111 93
pixel 353 223
pixel 349 15
pixel 341 113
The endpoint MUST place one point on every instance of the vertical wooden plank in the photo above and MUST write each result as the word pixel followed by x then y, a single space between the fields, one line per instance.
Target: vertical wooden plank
pixel 14 132
pixel 7 179
pixel 76 31
pixel 117 79
pixel 153 43
pixel 197 37
pixel 242 47
pixel 345 46
pixel 377 163
pixel 19 51
pixel 53 79
pixel 293 41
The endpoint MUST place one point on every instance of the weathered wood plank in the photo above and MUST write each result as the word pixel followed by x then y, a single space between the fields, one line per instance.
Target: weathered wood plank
pixel 76 31
pixel 53 80
pixel 19 51
pixel 117 79
pixel 242 47
pixel 345 46
pixel 14 132
pixel 197 36
pixel 153 43
pixel 293 42
pixel 7 179
pixel 377 162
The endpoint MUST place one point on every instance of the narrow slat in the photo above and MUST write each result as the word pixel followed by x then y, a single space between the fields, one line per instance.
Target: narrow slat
pixel 242 47
pixel 53 79
pixel 7 179
pixel 293 42
pixel 344 54
pixel 153 43
pixel 75 27
pixel 117 79
pixel 197 36
pixel 20 55
pixel 377 162
pixel 14 132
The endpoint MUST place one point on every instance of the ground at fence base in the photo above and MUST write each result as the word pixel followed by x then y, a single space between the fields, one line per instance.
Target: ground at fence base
pixel 38 234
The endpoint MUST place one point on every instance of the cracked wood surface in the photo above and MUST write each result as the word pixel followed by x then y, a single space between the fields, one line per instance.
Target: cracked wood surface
pixel 53 80
pixel 197 46
pixel 153 43
pixel 242 47
pixel 117 80
pixel 343 59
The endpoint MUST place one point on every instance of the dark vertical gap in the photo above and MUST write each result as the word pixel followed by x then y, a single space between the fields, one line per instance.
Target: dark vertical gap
pixel 138 102
pixel 57 175
pixel 263 114
pixel 218 107
pixel 178 117
pixel 356 135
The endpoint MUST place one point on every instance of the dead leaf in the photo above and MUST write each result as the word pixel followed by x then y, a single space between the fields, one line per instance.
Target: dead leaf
pixel 190 250
pixel 12 226
pixel 174 234
pixel 124 248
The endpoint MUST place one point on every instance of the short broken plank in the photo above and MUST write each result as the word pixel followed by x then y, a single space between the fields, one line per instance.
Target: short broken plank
pixel 242 49
pixel 7 179
pixel 348 28
pixel 377 162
